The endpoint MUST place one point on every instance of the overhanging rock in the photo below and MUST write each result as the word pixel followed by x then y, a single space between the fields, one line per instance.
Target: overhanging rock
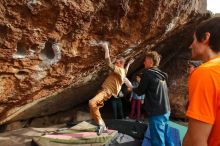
pixel 48 60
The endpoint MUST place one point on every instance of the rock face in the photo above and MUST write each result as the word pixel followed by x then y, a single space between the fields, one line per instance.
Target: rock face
pixel 49 61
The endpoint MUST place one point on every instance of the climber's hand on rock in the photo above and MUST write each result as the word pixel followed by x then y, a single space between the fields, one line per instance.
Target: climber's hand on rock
pixel 104 45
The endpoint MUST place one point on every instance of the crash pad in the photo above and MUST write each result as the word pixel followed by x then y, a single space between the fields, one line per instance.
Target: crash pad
pixel 77 135
pixel 182 129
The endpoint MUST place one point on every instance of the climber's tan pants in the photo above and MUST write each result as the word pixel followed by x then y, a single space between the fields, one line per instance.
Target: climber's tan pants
pixel 96 103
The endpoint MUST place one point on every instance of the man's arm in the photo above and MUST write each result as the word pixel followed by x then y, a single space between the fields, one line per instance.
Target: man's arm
pixel 104 45
pixel 128 65
pixel 127 83
pixel 197 133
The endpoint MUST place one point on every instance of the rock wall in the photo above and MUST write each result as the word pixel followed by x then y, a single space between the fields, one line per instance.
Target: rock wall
pixel 49 61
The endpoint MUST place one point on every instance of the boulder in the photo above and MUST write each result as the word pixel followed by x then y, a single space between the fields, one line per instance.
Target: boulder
pixel 49 61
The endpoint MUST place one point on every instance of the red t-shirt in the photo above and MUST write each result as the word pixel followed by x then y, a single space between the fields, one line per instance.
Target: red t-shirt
pixel 204 97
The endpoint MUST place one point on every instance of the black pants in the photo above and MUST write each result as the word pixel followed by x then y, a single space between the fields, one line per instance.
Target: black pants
pixel 117 108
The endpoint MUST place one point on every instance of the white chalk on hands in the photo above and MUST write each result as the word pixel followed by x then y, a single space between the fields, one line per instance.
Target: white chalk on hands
pixel 101 43
pixel 93 43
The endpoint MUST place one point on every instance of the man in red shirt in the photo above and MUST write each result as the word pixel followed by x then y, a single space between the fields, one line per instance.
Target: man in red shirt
pixel 204 87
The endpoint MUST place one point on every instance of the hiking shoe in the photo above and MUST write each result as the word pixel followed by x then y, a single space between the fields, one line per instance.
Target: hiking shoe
pixel 101 129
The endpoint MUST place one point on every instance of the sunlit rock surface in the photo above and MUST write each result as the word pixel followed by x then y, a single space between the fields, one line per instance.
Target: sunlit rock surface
pixel 49 61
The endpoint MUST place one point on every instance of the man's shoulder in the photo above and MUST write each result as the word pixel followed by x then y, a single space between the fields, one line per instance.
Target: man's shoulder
pixel 119 70
pixel 201 73
pixel 202 70
pixel 155 71
pixel 146 70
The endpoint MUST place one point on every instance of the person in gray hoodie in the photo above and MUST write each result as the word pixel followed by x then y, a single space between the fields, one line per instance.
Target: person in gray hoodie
pixel 153 85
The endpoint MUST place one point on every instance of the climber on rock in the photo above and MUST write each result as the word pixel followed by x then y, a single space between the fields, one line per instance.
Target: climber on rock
pixel 110 87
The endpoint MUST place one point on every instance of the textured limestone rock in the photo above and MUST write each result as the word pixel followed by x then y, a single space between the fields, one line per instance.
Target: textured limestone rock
pixel 48 60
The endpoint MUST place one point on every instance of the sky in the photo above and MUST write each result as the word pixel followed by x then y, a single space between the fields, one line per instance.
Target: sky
pixel 213 6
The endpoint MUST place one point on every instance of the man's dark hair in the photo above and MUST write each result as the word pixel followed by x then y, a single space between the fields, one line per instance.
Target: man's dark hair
pixel 155 57
pixel 213 27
